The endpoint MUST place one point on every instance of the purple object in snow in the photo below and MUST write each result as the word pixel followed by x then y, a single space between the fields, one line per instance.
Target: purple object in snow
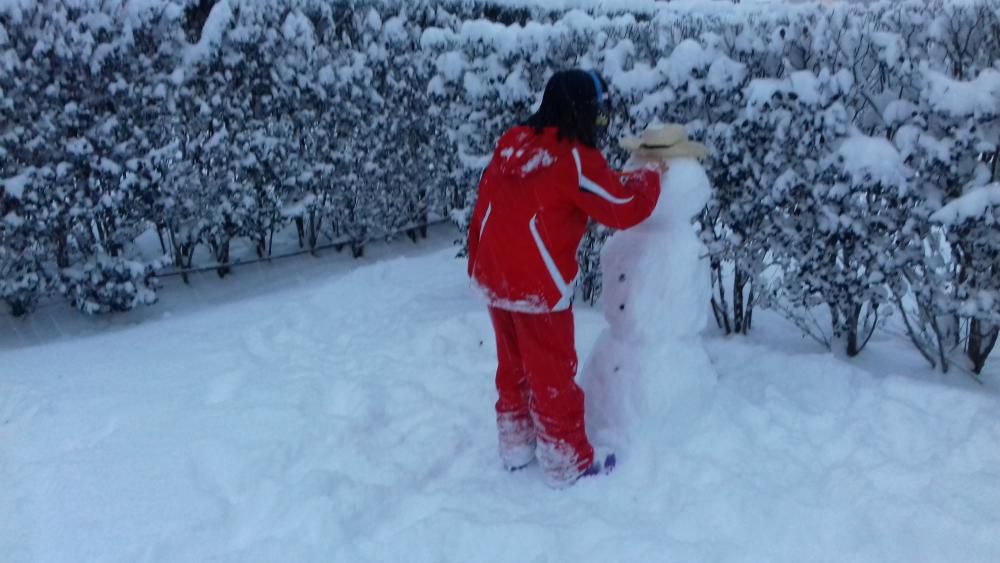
pixel 599 467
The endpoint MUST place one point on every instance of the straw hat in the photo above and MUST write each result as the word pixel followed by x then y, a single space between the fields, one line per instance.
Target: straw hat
pixel 664 143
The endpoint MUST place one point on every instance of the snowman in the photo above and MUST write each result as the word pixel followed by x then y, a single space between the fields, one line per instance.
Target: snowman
pixel 648 376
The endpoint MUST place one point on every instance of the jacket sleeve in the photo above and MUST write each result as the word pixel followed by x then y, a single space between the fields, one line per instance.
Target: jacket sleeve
pixel 615 199
pixel 478 215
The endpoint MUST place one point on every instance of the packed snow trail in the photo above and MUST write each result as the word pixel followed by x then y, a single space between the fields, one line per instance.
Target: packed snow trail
pixel 351 420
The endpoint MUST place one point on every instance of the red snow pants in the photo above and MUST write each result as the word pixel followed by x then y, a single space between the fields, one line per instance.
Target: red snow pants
pixel 540 406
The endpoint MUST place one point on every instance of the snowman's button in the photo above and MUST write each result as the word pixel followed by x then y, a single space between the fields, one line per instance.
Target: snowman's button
pixel 621 307
pixel 621 278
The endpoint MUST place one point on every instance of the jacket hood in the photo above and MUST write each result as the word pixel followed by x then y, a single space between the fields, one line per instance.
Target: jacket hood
pixel 521 152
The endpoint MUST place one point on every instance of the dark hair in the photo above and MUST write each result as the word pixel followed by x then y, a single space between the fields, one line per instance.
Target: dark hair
pixel 571 105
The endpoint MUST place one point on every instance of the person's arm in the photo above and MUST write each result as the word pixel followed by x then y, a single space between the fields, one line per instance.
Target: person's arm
pixel 616 199
pixel 479 216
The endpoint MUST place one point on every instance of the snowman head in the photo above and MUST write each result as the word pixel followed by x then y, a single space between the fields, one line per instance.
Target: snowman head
pixel 686 189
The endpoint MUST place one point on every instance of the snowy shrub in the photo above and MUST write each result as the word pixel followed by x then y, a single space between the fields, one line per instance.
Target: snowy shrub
pixel 947 287
pixel 818 201
pixel 26 248
pixel 209 125
pixel 75 127
pixel 218 126
pixel 730 225
pixel 835 232
pixel 952 137
pixel 108 284
pixel 971 223
pixel 697 69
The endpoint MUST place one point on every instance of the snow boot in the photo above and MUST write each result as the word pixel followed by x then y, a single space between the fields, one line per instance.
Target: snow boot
pixel 604 463
pixel 516 468
pixel 516 459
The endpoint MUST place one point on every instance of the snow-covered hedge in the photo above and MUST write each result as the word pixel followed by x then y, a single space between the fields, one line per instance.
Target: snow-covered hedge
pixel 840 135
pixel 204 125
pixel 837 134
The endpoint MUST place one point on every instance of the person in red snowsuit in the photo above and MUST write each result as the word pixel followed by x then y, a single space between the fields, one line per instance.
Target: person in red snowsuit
pixel 545 180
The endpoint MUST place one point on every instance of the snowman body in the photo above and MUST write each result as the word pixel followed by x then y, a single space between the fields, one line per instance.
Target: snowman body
pixel 648 374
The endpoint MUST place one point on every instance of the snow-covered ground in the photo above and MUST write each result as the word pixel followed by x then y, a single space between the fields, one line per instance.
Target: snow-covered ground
pixel 333 411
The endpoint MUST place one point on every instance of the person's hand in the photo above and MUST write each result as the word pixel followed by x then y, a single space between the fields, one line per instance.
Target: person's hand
pixel 660 166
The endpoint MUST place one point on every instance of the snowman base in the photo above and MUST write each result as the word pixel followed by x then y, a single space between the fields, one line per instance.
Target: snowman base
pixel 646 393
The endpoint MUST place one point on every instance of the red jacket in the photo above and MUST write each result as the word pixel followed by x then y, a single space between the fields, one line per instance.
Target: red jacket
pixel 535 198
